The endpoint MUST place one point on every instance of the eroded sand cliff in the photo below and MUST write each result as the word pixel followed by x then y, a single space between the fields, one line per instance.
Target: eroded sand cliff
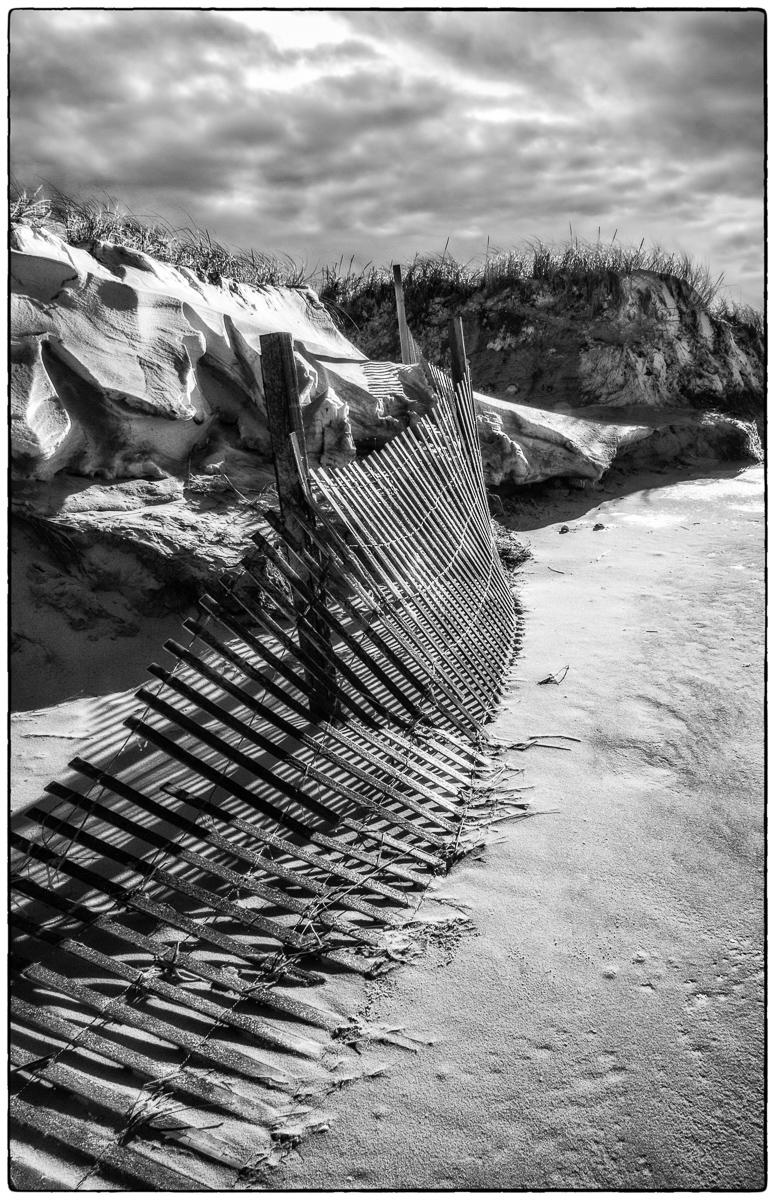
pixel 140 451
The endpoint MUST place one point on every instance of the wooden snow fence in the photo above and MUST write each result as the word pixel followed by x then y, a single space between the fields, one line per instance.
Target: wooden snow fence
pixel 288 786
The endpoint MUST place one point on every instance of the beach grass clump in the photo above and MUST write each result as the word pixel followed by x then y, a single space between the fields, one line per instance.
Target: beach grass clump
pixel 84 222
pixel 742 317
pixel 578 276
pixel 559 267
pixel 355 294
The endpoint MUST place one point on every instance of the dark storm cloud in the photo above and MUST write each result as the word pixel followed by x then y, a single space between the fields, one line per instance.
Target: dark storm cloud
pixel 405 127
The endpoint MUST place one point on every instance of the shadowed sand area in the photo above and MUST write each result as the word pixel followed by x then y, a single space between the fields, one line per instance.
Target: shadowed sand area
pixel 604 1027
pixel 600 1022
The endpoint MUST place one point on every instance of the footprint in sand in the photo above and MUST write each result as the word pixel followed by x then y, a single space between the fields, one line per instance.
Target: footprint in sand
pixel 644 1168
pixel 736 973
pixel 650 970
pixel 543 1051
pixel 721 996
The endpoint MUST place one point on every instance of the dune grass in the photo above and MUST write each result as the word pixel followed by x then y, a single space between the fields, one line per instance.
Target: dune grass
pixel 354 292
pixel 571 264
pixel 80 222
pixel 742 316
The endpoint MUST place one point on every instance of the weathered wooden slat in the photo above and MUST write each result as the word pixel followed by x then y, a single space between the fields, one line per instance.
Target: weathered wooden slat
pixel 411 755
pixel 209 836
pixel 470 486
pixel 238 660
pixel 286 431
pixel 88 1088
pixel 375 832
pixel 250 918
pixel 284 754
pixel 116 1010
pixel 374 551
pixel 408 670
pixel 344 589
pixel 171 959
pixel 461 502
pixel 420 627
pixel 314 660
pixel 318 746
pixel 441 673
pixel 452 495
pixel 247 762
pixel 254 887
pixel 344 701
pixel 442 546
pixel 261 1033
pixel 392 527
pixel 328 866
pixel 313 835
pixel 133 899
pixel 218 776
pixel 180 1080
pixel 131 1167
pixel 263 678
pixel 404 335
pixel 470 495
pixel 349 740
pixel 265 681
pixel 303 592
pixel 459 544
pixel 309 658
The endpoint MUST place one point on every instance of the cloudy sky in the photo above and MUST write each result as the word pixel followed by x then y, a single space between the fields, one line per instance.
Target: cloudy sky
pixel 382 133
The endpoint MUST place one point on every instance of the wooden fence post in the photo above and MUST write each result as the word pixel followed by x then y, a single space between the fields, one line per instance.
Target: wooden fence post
pixel 457 349
pixel 286 431
pixel 403 328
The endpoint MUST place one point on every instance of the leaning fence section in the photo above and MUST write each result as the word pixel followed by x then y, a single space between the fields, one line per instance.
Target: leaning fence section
pixel 290 782
pixel 418 539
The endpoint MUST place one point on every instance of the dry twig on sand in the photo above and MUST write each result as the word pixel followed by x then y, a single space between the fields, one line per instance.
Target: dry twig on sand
pixel 556 678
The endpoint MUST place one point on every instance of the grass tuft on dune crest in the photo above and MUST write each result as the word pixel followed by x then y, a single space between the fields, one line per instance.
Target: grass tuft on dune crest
pixel 349 290
pixel 81 222
pixel 572 264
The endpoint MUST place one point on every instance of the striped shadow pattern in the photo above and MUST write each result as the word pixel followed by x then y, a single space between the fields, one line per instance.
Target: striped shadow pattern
pixel 181 909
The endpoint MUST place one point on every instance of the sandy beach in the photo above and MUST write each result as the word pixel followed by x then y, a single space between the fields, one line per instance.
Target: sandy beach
pixel 386 546
pixel 602 1026
pixel 593 1016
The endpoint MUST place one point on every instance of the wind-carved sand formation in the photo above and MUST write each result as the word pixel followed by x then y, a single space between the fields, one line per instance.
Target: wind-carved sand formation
pixel 124 367
pixel 139 436
pixel 142 456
